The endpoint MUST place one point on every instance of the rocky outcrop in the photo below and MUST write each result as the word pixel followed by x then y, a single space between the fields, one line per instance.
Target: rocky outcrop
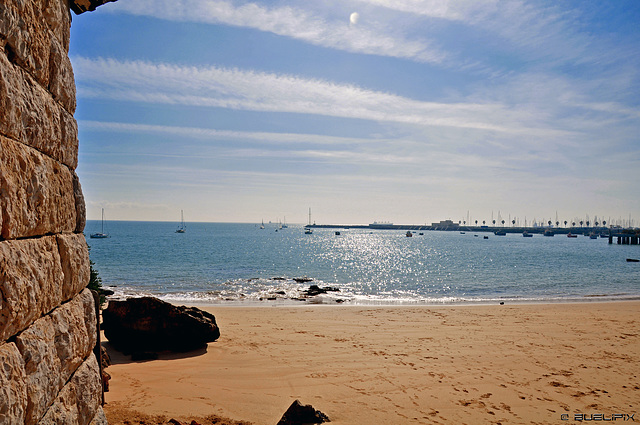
pixel 48 321
pixel 298 414
pixel 149 324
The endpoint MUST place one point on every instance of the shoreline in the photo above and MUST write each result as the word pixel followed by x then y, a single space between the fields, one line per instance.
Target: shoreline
pixel 512 363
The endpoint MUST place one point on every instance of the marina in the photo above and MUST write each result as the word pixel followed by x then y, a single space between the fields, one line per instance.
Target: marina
pixel 624 236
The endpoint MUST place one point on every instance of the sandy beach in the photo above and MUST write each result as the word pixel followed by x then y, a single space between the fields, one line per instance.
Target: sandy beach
pixel 515 364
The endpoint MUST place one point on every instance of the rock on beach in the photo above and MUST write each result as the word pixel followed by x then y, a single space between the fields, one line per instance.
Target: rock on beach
pixel 149 324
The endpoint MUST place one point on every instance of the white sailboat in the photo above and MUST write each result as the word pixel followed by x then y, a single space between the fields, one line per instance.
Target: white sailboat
pixel 101 234
pixel 182 228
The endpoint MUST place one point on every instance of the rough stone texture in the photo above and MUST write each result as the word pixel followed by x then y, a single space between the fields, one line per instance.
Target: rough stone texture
pixel 30 282
pixel 35 33
pixel 13 387
pixel 53 348
pixel 37 191
pixel 48 371
pixel 74 257
pixel 31 115
pixel 81 209
pixel 78 401
pixel 100 418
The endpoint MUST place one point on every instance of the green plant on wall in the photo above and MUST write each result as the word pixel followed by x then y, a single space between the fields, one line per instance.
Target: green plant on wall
pixel 95 282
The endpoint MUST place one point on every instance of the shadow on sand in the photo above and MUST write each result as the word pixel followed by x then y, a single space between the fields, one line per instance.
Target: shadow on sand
pixel 118 357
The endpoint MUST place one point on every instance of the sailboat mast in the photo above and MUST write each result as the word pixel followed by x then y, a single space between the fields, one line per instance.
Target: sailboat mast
pixel 309 216
pixel 102 231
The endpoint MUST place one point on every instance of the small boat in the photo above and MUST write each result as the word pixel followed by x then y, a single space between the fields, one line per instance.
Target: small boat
pixel 548 232
pixel 262 225
pixel 569 235
pixel 409 234
pixel 593 236
pixel 462 233
pixel 526 234
pixel 337 233
pixel 101 234
pixel 182 228
pixel 500 233
pixel 421 233
pixel 485 237
pixel 633 260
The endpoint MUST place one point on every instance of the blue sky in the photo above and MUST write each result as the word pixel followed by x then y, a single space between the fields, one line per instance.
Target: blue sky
pixel 407 111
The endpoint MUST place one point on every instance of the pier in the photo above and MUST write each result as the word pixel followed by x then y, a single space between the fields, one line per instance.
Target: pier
pixel 622 236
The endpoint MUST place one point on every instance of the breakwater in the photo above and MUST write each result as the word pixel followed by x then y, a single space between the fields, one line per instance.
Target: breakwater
pixel 607 231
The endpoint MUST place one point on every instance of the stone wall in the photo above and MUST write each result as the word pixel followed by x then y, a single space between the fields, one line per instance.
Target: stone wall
pixel 48 322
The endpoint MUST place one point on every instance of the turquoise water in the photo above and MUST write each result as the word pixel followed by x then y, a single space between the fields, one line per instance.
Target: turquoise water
pixel 241 263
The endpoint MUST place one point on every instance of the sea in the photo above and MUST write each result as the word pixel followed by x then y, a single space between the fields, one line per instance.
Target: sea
pixel 242 264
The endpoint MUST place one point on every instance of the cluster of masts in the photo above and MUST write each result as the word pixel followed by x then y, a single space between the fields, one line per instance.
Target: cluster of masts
pixel 575 222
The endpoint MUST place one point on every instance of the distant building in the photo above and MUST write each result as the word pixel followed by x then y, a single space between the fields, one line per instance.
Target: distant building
pixel 444 224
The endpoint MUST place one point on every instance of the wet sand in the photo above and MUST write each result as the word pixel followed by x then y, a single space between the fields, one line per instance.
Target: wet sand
pixel 398 365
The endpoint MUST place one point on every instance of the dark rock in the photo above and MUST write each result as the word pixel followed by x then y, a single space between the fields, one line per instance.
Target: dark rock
pixel 105 359
pixel 105 381
pixel 149 324
pixel 302 279
pixel 316 290
pixel 297 414
pixel 141 356
pixel 105 292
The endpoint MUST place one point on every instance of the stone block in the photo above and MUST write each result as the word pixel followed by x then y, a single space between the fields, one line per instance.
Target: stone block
pixel 74 258
pixel 62 83
pixel 35 34
pixel 79 400
pixel 32 116
pixel 100 418
pixel 75 326
pixel 42 367
pixel 27 36
pixel 38 193
pixel 53 347
pixel 81 209
pixel 57 15
pixel 31 282
pixel 13 386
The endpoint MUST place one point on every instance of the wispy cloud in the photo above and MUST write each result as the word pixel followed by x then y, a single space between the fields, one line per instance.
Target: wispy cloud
pixel 553 31
pixel 161 83
pixel 288 21
pixel 214 134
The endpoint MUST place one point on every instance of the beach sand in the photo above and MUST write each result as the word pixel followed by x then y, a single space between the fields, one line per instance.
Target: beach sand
pixel 515 364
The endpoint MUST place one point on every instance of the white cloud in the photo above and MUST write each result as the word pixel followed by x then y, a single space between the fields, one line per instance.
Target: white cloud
pixel 140 81
pixel 289 22
pixel 213 134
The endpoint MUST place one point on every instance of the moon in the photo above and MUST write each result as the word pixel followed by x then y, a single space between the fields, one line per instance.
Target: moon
pixel 354 17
